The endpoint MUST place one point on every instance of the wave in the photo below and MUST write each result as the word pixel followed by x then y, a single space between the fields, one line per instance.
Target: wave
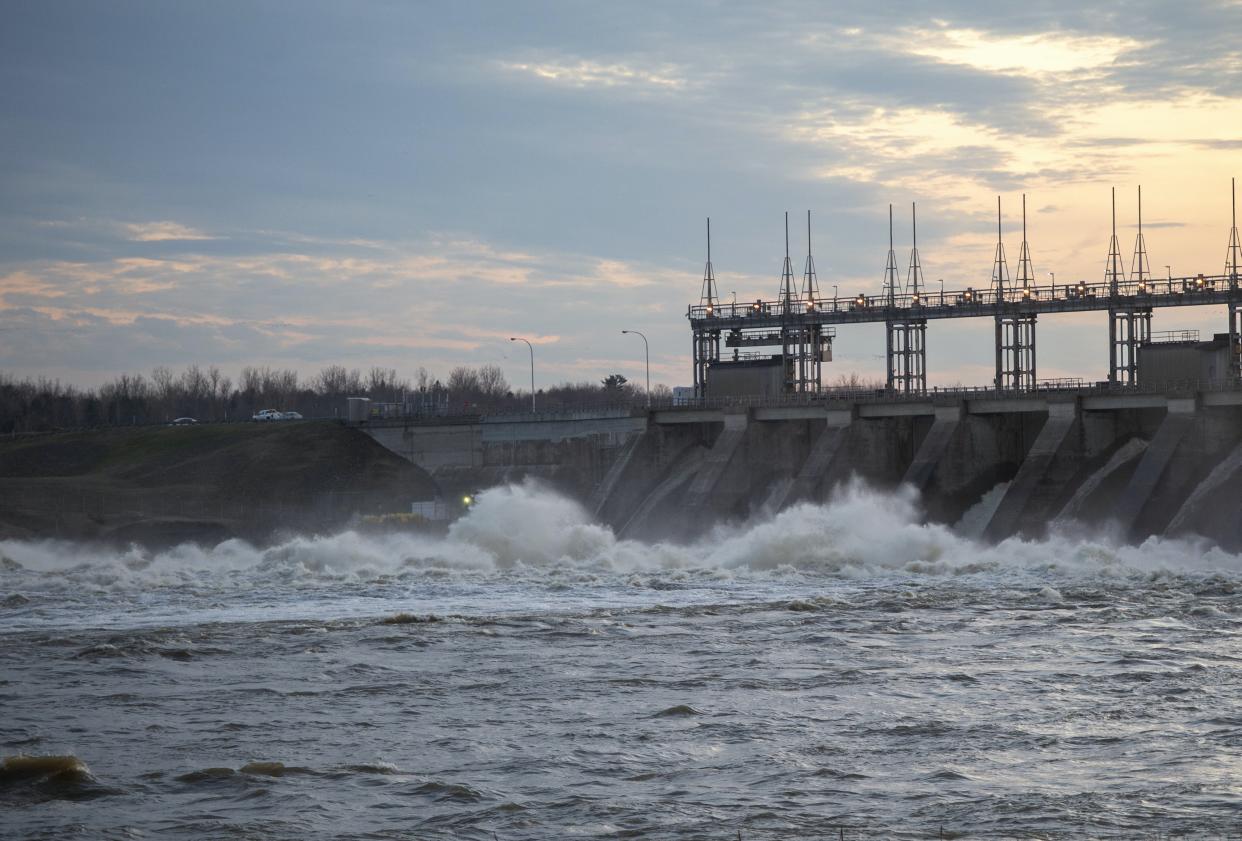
pixel 525 531
pixel 35 779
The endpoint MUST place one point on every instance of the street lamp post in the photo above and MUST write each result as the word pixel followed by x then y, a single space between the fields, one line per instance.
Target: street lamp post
pixel 646 360
pixel 941 291
pixel 532 369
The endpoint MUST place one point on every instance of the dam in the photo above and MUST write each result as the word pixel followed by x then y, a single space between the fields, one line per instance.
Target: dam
pixel 1140 462
pixel 1152 449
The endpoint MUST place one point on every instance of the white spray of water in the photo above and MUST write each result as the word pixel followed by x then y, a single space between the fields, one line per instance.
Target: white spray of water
pixel 526 530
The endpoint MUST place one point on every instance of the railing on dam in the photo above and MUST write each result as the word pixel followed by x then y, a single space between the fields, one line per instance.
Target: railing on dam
pixel 1064 388
pixel 1196 290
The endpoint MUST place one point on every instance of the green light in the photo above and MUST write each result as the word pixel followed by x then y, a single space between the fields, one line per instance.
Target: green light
pixel 467 500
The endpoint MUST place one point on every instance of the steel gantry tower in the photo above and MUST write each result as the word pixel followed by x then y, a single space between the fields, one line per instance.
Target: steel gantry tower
pixel 907 332
pixel 791 336
pixel 706 342
pixel 804 343
pixel 1015 319
pixel 1233 257
pixel 791 323
pixel 812 349
pixel 1129 320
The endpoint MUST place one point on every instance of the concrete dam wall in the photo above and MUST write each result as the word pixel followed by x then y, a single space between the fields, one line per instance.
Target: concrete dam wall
pixel 1138 464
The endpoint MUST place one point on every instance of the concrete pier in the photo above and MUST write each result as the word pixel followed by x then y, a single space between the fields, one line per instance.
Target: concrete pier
pixel 621 473
pixel 1177 422
pixel 708 491
pixel 1034 470
pixel 934 446
pixel 818 464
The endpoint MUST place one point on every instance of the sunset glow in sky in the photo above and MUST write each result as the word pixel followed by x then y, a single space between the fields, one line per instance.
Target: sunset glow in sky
pixel 409 184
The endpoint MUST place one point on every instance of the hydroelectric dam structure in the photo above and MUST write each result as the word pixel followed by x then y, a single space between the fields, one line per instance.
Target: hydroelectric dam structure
pixel 1155 448
pixel 802 323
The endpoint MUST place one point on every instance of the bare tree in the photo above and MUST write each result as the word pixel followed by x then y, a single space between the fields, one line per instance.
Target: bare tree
pixel 207 394
pixel 331 381
pixel 492 382
pixel 464 382
pixel 384 384
pixel 854 381
pixel 423 378
pixel 164 385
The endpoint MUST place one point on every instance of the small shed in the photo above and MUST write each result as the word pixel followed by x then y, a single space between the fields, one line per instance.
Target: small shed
pixel 1183 360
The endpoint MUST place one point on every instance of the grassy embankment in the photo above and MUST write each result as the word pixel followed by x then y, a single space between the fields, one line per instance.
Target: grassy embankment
pixel 158 485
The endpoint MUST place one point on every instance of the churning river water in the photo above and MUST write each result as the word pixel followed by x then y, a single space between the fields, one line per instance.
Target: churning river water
pixel 835 671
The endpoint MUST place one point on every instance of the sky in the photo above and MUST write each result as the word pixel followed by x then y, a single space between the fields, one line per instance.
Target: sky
pixel 406 184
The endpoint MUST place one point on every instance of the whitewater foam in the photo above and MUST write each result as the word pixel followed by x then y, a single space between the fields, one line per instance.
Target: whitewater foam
pixel 528 533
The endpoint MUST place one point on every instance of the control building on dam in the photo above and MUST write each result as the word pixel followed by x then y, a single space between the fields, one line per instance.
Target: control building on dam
pixel 1153 448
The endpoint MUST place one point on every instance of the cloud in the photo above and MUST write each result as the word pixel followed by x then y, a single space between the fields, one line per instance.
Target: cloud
pixel 586 73
pixel 439 303
pixel 23 284
pixel 413 185
pixel 1038 54
pixel 162 232
pixel 1218 143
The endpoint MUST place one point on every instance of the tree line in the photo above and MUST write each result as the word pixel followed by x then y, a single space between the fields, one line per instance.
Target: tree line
pixel 209 395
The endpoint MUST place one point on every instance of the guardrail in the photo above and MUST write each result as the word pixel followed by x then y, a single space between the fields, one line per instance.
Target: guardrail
pixel 1160 337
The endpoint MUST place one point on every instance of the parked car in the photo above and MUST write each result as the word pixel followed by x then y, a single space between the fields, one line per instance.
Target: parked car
pixel 266 415
pixel 291 416
pixel 183 422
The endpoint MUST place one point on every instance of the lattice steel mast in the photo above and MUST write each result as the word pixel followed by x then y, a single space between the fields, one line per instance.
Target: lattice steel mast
pixel 1140 266
pixel 1015 323
pixel 1026 270
pixel 811 345
pixel 707 296
pixel 810 284
pixel 787 288
pixel 1000 266
pixel 706 349
pixel 890 267
pixel 914 274
pixel 906 336
pixel 1232 259
pixel 1114 275
pixel 1129 323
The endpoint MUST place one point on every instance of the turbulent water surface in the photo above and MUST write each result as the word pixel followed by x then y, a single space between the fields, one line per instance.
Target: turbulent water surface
pixel 834 670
